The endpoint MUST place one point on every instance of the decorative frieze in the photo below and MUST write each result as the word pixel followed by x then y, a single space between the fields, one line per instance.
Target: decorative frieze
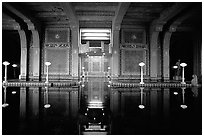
pixel 133 46
pixel 58 45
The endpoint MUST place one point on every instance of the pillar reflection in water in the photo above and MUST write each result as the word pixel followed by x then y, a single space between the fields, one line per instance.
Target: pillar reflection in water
pixel 114 102
pixel 46 104
pixel 94 114
pixel 22 102
pixel 183 105
pixel 5 104
pixel 33 102
pixel 154 108
pixel 141 106
pixel 74 103
pixel 166 105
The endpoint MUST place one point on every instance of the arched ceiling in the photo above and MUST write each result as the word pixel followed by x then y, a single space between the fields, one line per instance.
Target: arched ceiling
pixel 98 14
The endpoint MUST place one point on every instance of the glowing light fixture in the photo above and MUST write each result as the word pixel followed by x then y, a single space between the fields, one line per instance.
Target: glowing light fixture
pixel 14 70
pixel 14 65
pixel 96 30
pixel 95 104
pixel 175 67
pixel 95 34
pixel 175 93
pixel 95 38
pixel 183 65
pixel 5 63
pixel 47 64
pixel 13 92
pixel 141 64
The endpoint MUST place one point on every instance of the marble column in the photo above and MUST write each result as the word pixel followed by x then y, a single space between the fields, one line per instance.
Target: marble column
pixel 23 63
pixel 75 50
pixel 154 34
pixel 115 64
pixel 166 47
pixel 34 62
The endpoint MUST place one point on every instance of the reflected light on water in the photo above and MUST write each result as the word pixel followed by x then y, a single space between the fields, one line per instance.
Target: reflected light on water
pixel 5 105
pixel 141 106
pixel 47 106
pixel 175 93
pixel 184 106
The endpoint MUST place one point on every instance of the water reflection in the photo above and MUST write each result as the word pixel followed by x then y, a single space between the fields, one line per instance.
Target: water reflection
pixel 99 109
pixel 141 106
pixel 94 115
pixel 5 104
pixel 183 105
pixel 46 104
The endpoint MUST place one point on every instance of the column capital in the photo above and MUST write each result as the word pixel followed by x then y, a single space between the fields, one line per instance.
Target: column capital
pixel 74 27
pixel 173 27
pixel 116 27
pixel 157 26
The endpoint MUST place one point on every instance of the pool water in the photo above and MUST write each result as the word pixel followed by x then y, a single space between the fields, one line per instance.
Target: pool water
pixel 96 108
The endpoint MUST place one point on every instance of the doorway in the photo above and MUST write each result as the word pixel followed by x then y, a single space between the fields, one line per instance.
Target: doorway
pixel 95 66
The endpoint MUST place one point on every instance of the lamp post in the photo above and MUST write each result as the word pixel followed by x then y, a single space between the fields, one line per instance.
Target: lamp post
pixel 141 64
pixel 5 63
pixel 175 68
pixel 47 105
pixel 183 99
pixel 14 70
pixel 183 65
pixel 47 64
pixel 5 104
pixel 141 106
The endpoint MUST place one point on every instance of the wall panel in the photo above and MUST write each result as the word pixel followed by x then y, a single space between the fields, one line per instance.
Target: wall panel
pixel 130 60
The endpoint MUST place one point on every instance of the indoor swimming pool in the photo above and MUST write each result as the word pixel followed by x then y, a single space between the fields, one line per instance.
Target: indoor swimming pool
pixel 97 108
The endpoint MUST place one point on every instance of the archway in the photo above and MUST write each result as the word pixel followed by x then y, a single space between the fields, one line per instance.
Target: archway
pixel 11 52
pixel 181 47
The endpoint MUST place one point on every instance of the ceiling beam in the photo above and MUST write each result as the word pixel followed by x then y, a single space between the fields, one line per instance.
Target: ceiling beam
pixel 182 18
pixel 28 19
pixel 170 12
pixel 95 18
pixel 70 13
pixel 120 12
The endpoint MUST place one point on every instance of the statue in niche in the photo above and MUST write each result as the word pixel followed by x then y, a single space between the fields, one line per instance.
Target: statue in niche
pixel 178 67
pixel 178 70
pixel 194 81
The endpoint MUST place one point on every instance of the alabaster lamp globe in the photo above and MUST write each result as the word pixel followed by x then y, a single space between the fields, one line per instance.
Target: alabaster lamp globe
pixel 14 65
pixel 5 105
pixel 175 67
pixel 183 64
pixel 6 63
pixel 47 63
pixel 141 64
